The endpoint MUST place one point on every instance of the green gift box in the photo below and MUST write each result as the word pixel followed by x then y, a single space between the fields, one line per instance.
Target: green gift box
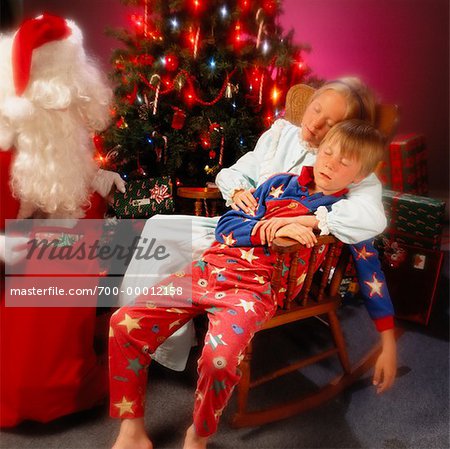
pixel 144 198
pixel 414 220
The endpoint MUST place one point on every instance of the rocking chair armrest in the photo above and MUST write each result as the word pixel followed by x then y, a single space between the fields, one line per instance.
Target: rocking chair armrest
pixel 286 245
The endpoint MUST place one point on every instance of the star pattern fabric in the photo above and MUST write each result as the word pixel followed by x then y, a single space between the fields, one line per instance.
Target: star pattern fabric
pixel 130 323
pixel 124 406
pixel 238 300
pixel 364 254
pixel 135 365
pixel 294 192
pixel 372 284
pixel 228 239
pixel 281 195
pixel 246 305
pixel 375 286
pixel 248 255
pixel 231 284
pixel 276 192
pixel 215 341
pixel 260 279
pixel 235 314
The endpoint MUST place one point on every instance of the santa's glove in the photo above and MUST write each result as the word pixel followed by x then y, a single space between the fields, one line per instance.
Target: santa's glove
pixel 106 182
pixel 13 249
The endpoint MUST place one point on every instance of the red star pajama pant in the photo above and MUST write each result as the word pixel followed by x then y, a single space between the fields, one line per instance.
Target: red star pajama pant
pixel 238 301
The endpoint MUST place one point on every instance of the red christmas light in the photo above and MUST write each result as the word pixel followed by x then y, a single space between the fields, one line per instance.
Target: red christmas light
pixel 137 22
pixel 155 35
pixel 168 82
pixel 270 6
pixel 298 63
pixel 205 141
pixel 268 119
pixel 301 66
pixel 254 79
pixel 189 97
pixel 197 5
pixel 193 39
pixel 98 143
pixel 238 36
pixel 244 5
pixel 141 28
pixel 275 94
pixel 171 62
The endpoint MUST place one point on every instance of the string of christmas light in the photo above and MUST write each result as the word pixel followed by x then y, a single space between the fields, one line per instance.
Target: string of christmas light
pixel 190 81
pixel 219 95
pixel 178 60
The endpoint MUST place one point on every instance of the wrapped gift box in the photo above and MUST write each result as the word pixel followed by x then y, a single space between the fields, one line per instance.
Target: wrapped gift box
pixel 414 220
pixel 405 167
pixel 412 275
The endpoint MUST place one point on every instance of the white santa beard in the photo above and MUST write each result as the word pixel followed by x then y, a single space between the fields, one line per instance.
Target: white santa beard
pixel 53 168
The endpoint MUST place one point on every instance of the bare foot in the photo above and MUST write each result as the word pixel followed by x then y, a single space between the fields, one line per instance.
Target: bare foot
pixel 193 441
pixel 132 435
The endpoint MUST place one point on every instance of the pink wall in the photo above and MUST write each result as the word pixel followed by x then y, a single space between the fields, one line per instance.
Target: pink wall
pixel 400 47
pixel 93 17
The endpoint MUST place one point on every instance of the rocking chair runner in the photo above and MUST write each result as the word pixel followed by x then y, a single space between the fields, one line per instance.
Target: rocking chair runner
pixel 319 296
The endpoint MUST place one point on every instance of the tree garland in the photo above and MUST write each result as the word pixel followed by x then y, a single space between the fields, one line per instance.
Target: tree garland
pixel 189 80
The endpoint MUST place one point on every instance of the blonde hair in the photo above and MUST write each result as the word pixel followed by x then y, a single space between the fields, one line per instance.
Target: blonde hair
pixel 360 141
pixel 360 99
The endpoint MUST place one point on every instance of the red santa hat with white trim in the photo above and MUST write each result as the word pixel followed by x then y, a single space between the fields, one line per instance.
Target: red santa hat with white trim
pixel 29 38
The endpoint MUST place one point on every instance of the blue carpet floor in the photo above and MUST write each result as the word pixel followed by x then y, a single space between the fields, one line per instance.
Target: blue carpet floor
pixel 414 414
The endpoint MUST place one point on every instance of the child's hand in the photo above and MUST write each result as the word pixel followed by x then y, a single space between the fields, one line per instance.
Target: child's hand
pixel 296 231
pixel 386 365
pixel 244 200
pixel 268 228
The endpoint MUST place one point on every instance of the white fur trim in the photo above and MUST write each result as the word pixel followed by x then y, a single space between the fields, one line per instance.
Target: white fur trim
pixel 17 108
pixel 322 215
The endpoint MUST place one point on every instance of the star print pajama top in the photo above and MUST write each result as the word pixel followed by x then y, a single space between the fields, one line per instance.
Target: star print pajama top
pixel 231 283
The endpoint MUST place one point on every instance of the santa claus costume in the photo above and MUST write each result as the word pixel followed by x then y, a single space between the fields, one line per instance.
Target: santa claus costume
pixel 52 97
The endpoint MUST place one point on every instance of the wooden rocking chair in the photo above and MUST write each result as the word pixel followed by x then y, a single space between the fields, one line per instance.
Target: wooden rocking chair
pixel 319 296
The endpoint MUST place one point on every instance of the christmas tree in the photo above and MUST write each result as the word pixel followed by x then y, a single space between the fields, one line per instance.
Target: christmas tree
pixel 197 81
